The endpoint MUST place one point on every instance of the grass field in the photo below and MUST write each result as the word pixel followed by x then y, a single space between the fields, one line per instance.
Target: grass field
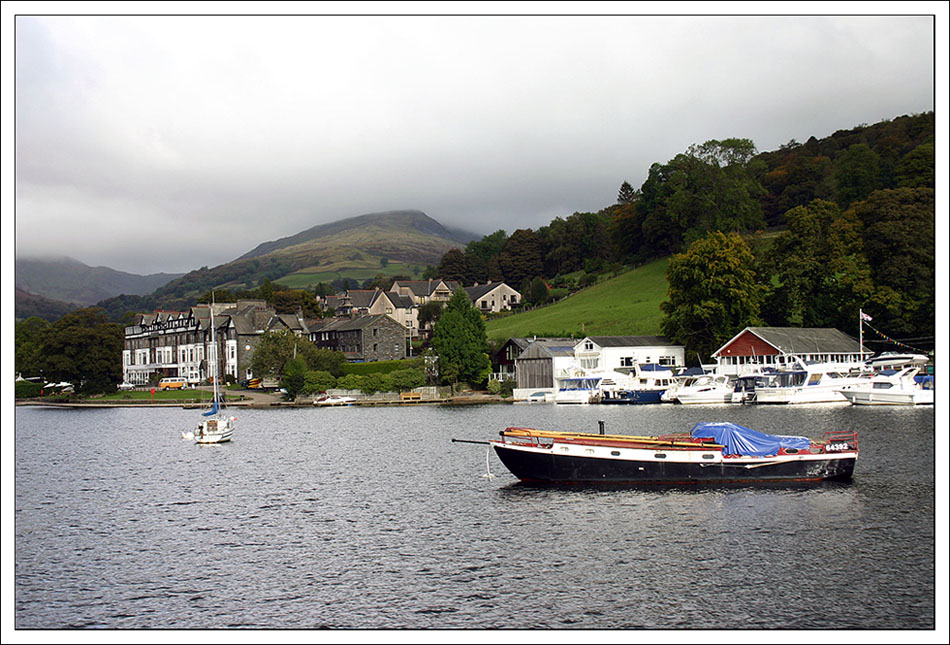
pixel 166 396
pixel 628 304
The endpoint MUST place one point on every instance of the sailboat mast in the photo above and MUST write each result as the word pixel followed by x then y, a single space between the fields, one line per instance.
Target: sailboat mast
pixel 214 344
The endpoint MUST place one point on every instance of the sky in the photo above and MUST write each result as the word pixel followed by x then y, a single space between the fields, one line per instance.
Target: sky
pixel 163 143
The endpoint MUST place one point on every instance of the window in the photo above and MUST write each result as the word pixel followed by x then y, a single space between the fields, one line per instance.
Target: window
pixel 588 346
pixel 626 361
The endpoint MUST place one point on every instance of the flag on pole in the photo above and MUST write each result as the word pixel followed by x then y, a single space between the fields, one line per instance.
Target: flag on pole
pixel 866 317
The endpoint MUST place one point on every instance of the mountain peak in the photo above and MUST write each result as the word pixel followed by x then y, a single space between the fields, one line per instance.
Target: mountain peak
pixel 401 220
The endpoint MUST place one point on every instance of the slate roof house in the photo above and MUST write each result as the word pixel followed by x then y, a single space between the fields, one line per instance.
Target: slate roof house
pixel 493 297
pixel 423 291
pixel 370 302
pixel 756 347
pixel 365 338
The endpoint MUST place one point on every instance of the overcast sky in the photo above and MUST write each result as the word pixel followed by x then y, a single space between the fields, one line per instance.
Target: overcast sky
pixel 165 143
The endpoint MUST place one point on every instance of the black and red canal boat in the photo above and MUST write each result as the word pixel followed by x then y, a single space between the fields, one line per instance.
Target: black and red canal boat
pixel 711 453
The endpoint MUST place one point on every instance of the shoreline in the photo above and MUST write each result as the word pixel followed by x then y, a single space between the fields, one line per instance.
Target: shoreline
pixel 459 400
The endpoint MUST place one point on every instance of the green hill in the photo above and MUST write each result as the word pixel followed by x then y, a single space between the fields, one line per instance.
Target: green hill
pixel 628 304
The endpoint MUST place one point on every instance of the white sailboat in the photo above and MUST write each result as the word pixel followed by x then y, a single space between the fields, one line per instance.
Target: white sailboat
pixel 217 427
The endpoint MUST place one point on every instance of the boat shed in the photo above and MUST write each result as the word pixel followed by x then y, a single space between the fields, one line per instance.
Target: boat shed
pixel 757 347
pixel 536 366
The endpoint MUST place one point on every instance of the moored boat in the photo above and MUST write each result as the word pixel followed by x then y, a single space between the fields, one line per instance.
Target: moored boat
pixel 891 387
pixel 709 453
pixel 646 385
pixel 706 389
pixel 811 383
pixel 333 400
pixel 577 389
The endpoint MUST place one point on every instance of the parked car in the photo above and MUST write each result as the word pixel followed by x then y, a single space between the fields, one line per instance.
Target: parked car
pixel 125 386
pixel 172 383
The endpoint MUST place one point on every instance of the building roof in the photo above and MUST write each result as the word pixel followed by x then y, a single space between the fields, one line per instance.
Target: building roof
pixel 345 323
pixel 480 290
pixel 802 340
pixel 549 348
pixel 629 341
pixel 425 288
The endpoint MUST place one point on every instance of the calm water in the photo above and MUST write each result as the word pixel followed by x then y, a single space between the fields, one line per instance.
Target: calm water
pixel 372 518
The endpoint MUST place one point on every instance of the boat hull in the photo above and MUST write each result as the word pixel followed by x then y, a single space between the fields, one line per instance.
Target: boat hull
pixel 883 397
pixel 214 431
pixel 634 397
pixel 547 466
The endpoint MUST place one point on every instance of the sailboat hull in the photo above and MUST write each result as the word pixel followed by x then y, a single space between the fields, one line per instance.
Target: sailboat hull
pixel 214 431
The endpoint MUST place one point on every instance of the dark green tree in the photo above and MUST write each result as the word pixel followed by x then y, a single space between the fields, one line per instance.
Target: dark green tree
pixel 277 348
pixel 429 313
pixel 818 268
pixel 460 342
pixel 858 171
pixel 626 194
pixel 85 349
pixel 713 293
pixel 899 235
pixel 453 266
pixel 520 257
pixel 29 335
pixel 294 377
pixel 917 169
pixel 709 188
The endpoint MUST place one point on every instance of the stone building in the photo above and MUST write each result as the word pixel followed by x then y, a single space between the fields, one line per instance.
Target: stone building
pixel 179 343
pixel 365 338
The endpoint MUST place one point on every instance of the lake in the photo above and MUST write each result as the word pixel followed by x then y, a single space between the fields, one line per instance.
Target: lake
pixel 372 518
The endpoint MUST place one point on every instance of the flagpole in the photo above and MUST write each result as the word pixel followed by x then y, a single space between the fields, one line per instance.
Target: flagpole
pixel 861 333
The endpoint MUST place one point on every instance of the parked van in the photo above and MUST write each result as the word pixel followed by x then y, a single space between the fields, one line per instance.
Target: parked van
pixel 172 383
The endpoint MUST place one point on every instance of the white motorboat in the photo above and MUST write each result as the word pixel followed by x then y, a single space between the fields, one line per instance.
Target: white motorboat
pixel 706 389
pixel 893 387
pixel 331 400
pixel 580 389
pixel 896 361
pixel 811 383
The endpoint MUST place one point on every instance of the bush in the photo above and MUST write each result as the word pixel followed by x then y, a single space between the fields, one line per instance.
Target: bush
pixel 402 380
pixel 503 388
pixel 27 389
pixel 318 381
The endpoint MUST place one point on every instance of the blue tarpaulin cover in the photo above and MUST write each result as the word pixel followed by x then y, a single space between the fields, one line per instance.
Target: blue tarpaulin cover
pixel 737 440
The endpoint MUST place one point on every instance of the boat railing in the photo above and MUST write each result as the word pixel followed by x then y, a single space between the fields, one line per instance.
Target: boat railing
pixel 840 441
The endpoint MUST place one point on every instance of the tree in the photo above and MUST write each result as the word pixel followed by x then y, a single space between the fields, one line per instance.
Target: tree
pixel 900 245
pixel 713 293
pixel 429 313
pixel 277 348
pixel 460 342
pixel 626 194
pixel 452 266
pixel 28 343
pixel 857 174
pixel 520 257
pixel 818 264
pixel 916 168
pixel 85 349
pixel 294 377
pixel 711 187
